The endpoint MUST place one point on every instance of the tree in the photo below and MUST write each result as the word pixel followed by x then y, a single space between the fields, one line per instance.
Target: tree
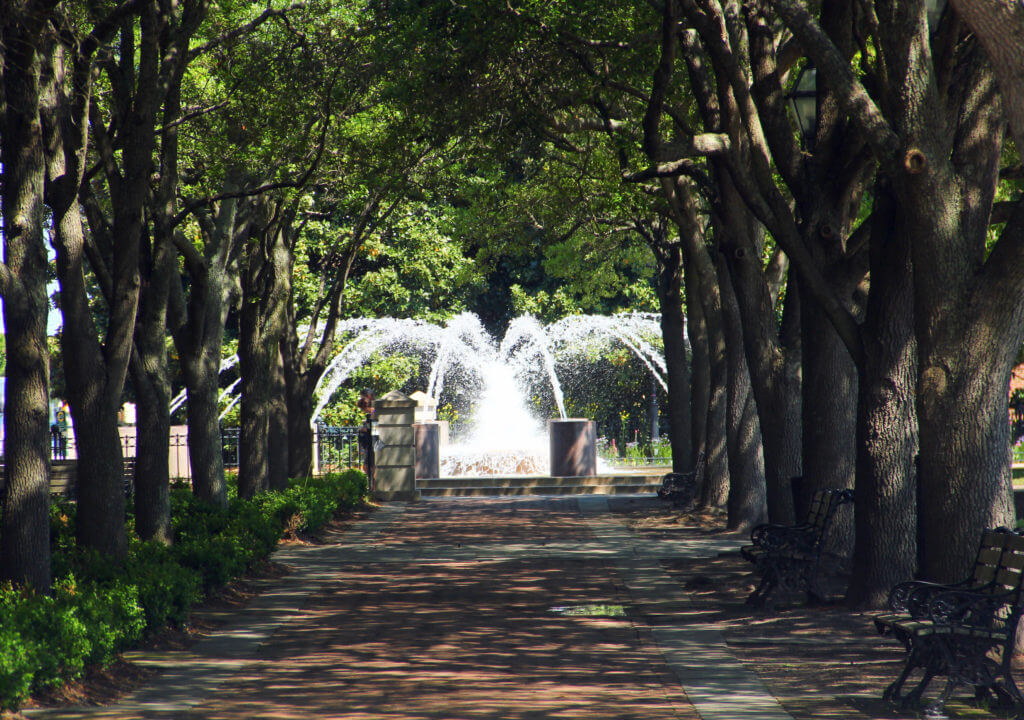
pixel 938 148
pixel 24 543
pixel 242 147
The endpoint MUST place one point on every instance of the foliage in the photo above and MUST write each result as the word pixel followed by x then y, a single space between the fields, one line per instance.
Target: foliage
pixel 99 607
pixel 382 374
pixel 610 386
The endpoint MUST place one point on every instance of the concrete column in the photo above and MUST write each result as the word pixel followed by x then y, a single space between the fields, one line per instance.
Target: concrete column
pixel 428 450
pixel 396 459
pixel 573 447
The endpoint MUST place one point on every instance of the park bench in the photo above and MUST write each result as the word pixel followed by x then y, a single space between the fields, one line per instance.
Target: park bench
pixel 790 557
pixel 682 488
pixel 964 631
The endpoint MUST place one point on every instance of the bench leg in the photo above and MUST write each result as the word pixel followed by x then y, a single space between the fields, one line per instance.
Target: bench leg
pixel 917 658
pixel 937 709
pixel 1007 691
pixel 759 597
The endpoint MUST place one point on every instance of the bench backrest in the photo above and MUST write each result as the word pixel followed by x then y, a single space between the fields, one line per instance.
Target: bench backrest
pixel 823 507
pixel 990 552
pixel 1010 570
pixel 1006 581
pixel 698 469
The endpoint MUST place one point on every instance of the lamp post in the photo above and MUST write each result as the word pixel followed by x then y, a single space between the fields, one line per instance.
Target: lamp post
pixel 804 100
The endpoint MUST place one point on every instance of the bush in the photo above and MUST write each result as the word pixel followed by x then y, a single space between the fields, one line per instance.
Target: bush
pixel 16 667
pixel 99 607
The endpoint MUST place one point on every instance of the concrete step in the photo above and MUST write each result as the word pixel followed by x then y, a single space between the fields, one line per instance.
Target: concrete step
pixel 536 480
pixel 539 490
pixel 497 486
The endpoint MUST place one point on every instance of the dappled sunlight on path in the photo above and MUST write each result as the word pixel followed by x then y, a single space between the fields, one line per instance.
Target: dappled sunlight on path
pixel 604 608
pixel 458 640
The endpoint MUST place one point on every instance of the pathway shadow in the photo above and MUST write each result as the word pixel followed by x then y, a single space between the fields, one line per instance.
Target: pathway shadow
pixel 473 640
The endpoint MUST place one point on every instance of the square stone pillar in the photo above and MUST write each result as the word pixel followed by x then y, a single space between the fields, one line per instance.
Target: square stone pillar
pixel 395 473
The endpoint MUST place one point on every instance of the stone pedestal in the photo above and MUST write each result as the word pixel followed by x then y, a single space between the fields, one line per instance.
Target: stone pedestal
pixel 396 457
pixel 573 447
pixel 428 449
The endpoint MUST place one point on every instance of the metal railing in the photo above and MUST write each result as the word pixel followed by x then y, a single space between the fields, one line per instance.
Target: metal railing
pixel 336 447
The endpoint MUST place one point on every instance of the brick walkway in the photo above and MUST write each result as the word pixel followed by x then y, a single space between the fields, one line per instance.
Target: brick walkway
pixel 446 609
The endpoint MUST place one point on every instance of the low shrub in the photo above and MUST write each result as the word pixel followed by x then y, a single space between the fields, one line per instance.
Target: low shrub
pixel 100 607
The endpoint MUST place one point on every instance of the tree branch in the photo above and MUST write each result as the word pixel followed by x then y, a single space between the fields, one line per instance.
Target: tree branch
pixel 850 93
pixel 243 29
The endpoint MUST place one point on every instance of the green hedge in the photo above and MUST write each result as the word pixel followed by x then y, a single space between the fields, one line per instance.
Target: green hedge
pixel 99 607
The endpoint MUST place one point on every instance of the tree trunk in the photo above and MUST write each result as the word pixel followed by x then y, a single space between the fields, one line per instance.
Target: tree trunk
pixel 677 366
pixel 300 430
pixel 151 380
pixel 278 428
pixel 199 341
pixel 715 491
pixel 265 289
pixel 94 387
pixel 25 536
pixel 700 368
pixel 746 502
pixel 205 449
pixel 829 409
pixel 774 375
pixel 254 367
pixel 886 517
pixel 965 452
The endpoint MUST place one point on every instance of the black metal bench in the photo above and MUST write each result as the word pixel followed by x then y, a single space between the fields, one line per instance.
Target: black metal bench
pixel 965 631
pixel 682 488
pixel 789 557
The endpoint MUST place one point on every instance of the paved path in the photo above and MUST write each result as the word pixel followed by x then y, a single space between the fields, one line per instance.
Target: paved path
pixel 473 608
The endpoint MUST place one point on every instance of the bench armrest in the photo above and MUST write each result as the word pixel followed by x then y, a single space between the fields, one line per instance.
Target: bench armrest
pixel 974 610
pixel 913 596
pixel 775 537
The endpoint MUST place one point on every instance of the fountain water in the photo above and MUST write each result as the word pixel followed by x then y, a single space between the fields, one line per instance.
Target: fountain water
pixel 504 437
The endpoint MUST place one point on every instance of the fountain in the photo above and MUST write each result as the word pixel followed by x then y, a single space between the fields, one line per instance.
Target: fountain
pixel 504 437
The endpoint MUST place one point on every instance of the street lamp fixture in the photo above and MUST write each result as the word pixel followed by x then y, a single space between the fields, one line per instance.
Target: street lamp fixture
pixel 804 100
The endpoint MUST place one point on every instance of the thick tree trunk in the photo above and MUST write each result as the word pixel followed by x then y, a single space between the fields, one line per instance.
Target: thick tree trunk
pixel 205 449
pixel 25 530
pixel 151 380
pixel 715 491
pixel 254 366
pixel 774 376
pixel 677 365
pixel 265 289
pixel 886 507
pixel 300 430
pixel 829 406
pixel 969 323
pixel 278 425
pixel 94 385
pixel 962 401
pixel 100 471
pixel 746 503
pixel 700 368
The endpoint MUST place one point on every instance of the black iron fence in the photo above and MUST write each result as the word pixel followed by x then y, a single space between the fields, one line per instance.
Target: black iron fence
pixel 335 448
